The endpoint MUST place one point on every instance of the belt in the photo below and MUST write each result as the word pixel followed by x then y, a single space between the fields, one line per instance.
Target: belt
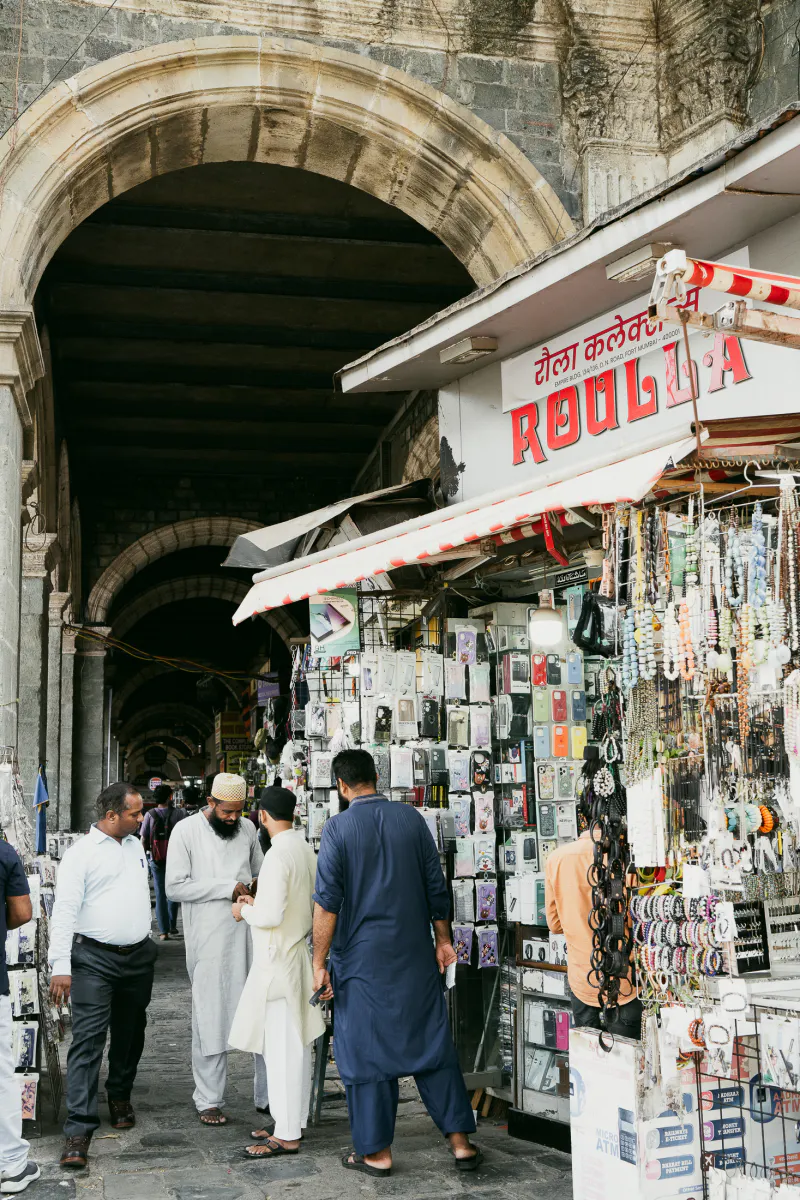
pixel 87 941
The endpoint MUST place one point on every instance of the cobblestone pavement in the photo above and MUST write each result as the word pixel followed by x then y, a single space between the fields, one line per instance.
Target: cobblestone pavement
pixel 171 1156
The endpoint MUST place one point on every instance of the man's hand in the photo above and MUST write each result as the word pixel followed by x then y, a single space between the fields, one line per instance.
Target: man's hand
pixel 323 980
pixel 445 955
pixel 60 986
pixel 239 890
pixel 238 905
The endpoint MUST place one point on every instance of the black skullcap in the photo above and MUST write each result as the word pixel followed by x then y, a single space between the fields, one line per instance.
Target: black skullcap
pixel 279 802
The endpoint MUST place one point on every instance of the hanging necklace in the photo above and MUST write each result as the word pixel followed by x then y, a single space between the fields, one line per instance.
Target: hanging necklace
pixel 685 648
pixel 725 662
pixel 734 567
pixel 669 644
pixel 630 652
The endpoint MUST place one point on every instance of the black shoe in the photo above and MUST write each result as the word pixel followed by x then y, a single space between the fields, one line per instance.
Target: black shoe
pixel 122 1114
pixel 75 1153
pixel 18 1183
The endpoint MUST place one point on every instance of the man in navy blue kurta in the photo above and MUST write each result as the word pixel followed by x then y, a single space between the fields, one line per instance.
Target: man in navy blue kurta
pixel 379 887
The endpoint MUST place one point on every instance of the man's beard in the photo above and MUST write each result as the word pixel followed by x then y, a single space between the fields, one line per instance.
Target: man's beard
pixel 224 829
pixel 343 803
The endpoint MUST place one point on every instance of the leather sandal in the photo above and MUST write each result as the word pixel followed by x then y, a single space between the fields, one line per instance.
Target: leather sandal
pixel 355 1162
pixel 122 1114
pixel 213 1116
pixel 76 1153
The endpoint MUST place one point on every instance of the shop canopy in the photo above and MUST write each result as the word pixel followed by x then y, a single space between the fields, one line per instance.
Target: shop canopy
pixel 422 538
pixel 274 545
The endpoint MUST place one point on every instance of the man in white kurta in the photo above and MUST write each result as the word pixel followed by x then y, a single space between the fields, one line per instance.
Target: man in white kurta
pixel 274 1015
pixel 213 858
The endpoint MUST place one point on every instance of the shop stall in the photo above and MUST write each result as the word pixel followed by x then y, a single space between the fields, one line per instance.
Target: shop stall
pixel 605 613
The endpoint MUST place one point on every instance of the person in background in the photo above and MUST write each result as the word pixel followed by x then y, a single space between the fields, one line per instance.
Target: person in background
pixel 157 828
pixel 16 1170
pixel 380 887
pixel 102 958
pixel 568 903
pixel 214 857
pixel 274 1016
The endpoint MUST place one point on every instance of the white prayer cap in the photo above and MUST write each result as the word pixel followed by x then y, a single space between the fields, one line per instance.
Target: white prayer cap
pixel 230 789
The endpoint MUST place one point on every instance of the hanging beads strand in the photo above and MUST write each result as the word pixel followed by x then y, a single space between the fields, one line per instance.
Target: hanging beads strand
pixel 685 648
pixel 743 687
pixel 734 567
pixel 669 646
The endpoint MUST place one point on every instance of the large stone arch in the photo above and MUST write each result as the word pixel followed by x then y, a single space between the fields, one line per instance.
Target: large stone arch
pixel 195 587
pixel 276 100
pixel 161 715
pixel 182 535
pixel 152 671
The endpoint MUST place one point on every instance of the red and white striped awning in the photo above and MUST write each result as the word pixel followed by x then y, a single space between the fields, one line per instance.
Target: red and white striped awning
pixel 768 286
pixel 416 540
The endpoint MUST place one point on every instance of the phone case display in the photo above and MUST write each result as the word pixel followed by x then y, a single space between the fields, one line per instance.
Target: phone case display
pixel 462 943
pixel 541 705
pixel 36 1025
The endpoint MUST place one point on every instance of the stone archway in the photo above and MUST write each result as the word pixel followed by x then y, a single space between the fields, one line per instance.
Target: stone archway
pixel 192 587
pixel 275 100
pixel 182 535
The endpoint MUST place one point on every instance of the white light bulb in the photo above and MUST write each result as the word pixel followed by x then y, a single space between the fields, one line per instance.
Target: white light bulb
pixel 546 627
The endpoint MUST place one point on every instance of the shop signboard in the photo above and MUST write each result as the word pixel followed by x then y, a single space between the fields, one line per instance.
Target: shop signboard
pixel 155 782
pixel 267 689
pixel 227 725
pixel 615 1151
pixel 333 618
pixel 613 387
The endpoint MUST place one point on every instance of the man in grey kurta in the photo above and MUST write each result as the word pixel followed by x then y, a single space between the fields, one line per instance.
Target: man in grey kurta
pixel 213 858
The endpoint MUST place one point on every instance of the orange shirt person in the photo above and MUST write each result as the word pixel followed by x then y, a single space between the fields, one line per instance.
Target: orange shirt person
pixel 568 903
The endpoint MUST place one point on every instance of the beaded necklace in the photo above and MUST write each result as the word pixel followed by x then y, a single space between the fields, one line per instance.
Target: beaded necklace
pixel 669 643
pixel 686 661
pixel 734 566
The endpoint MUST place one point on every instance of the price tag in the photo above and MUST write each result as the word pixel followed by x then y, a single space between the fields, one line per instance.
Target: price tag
pixel 725 923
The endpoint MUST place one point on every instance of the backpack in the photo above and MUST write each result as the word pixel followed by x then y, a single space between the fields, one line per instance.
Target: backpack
pixel 160 837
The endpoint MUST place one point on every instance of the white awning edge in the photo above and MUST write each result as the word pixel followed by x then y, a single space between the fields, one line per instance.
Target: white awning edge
pixel 401 546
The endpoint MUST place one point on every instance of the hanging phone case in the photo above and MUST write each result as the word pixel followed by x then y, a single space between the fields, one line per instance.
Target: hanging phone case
pixel 541 705
pixel 553 669
pixel 562 1030
pixel 546 821
pixel 560 741
pixel 541 741
pixel 578 705
pixel 539 670
pixel 429 717
pixel 574 668
pixel 578 733
pixel 558 700
pixel 549 1026
pixel 566 781
pixel 546 779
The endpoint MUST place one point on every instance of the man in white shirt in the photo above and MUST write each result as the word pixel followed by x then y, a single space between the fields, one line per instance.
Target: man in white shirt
pixel 102 957
pixel 274 1016
pixel 213 859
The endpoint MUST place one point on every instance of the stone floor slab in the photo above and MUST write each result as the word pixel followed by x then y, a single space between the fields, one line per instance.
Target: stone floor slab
pixel 169 1155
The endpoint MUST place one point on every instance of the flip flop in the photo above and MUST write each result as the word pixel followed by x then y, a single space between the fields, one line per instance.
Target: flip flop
pixel 471 1163
pixel 355 1162
pixel 268 1149
pixel 216 1113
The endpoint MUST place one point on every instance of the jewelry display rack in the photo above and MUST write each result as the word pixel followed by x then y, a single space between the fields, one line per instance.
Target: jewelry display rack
pixel 36 1027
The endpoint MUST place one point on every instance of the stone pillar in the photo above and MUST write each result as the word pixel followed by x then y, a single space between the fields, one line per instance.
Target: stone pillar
pixel 88 764
pixel 66 819
pixel 20 366
pixel 57 603
pixel 31 733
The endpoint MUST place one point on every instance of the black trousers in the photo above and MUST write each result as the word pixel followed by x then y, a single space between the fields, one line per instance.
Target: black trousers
pixel 627 1023
pixel 109 992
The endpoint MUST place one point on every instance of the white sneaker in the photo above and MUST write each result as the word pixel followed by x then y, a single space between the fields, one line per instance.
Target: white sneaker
pixel 18 1183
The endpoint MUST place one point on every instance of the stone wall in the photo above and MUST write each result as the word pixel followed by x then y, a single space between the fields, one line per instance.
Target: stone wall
pixel 605 97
